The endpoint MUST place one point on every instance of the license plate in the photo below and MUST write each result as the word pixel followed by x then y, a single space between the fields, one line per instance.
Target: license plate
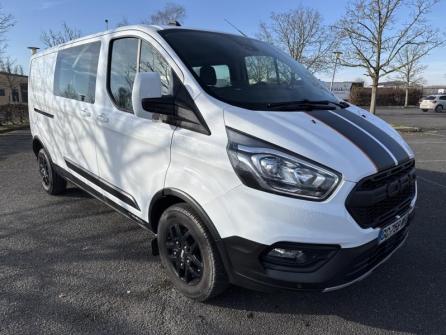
pixel 393 228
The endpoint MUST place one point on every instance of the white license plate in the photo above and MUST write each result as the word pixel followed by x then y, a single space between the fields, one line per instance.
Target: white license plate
pixel 393 228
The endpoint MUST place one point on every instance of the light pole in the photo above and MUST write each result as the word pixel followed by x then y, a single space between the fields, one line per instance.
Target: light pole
pixel 337 55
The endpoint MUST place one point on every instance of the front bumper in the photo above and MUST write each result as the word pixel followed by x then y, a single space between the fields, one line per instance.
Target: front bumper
pixel 347 266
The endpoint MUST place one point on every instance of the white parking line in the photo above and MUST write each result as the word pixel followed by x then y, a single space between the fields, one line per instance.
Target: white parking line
pixel 426 142
pixel 431 161
pixel 432 182
pixel 433 134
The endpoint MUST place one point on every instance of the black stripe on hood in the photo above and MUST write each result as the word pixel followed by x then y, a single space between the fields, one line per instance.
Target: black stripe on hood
pixel 367 144
pixel 393 146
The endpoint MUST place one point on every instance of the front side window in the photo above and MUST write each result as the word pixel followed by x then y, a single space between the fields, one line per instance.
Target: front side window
pixel 152 61
pixel 256 75
pixel 124 66
pixel 76 71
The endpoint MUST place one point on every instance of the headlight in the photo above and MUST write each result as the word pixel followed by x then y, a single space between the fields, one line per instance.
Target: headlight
pixel 265 167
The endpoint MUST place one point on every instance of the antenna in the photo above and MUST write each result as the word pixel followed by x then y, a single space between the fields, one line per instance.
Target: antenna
pixel 33 50
pixel 233 26
pixel 106 24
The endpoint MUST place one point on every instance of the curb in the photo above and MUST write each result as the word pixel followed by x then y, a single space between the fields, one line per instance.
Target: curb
pixel 7 130
pixel 407 129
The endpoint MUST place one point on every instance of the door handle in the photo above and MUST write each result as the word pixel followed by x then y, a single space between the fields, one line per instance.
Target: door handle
pixel 102 118
pixel 85 112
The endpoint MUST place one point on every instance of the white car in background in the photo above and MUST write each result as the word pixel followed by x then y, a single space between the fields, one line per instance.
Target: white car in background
pixel 436 102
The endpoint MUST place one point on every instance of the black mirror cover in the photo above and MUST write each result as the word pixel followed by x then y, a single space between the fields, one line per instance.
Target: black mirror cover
pixel 164 105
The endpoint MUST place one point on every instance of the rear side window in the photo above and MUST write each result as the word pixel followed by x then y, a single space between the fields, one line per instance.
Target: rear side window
pixel 443 97
pixel 76 70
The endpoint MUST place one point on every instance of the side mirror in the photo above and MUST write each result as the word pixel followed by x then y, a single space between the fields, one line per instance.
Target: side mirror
pixel 147 85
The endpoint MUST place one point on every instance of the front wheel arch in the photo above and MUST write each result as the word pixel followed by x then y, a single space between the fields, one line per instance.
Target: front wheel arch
pixel 37 145
pixel 167 197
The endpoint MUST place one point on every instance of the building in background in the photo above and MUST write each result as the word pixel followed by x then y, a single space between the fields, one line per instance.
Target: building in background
pixel 434 89
pixel 13 88
pixel 394 84
pixel 342 89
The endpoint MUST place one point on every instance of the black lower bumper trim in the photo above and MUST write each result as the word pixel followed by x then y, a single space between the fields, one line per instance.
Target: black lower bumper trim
pixel 346 266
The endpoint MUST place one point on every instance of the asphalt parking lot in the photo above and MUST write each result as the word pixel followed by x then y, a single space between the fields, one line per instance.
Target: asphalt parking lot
pixel 69 264
pixel 413 117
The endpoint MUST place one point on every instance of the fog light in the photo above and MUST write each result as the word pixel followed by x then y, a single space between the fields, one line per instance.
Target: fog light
pixel 297 256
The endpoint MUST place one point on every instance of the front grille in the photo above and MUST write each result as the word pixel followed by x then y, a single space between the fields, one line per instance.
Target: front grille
pixel 379 198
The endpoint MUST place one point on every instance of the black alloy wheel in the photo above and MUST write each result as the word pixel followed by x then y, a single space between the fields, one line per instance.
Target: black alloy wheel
pixel 44 171
pixel 52 182
pixel 189 253
pixel 184 253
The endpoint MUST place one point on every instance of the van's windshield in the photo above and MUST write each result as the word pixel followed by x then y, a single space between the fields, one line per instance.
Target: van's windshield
pixel 245 72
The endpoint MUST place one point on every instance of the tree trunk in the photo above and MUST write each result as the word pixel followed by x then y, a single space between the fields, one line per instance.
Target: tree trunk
pixel 373 98
pixel 406 99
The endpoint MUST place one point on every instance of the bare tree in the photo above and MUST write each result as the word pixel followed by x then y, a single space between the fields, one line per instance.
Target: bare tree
pixel 170 13
pixel 410 70
pixel 52 38
pixel 7 21
pixel 374 33
pixel 301 33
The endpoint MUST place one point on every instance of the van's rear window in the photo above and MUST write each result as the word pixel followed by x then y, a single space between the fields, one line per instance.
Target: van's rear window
pixel 76 70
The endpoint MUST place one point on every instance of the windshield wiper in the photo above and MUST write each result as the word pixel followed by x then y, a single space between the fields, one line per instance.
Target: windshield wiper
pixel 307 105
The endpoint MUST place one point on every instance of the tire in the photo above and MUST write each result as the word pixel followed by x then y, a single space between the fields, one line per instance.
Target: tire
pixel 189 254
pixel 425 110
pixel 439 108
pixel 52 182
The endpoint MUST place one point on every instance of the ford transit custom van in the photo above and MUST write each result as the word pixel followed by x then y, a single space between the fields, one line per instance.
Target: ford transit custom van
pixel 245 167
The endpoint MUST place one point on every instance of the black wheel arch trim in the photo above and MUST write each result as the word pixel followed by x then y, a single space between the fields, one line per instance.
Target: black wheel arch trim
pixel 187 199
pixel 183 196
pixel 35 140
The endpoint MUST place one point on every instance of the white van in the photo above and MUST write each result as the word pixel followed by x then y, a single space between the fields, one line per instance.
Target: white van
pixel 247 169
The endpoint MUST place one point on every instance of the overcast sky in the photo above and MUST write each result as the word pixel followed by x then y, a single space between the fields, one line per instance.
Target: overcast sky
pixel 34 16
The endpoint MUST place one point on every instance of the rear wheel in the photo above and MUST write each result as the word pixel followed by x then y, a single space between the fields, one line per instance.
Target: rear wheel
pixel 189 254
pixel 439 109
pixel 52 182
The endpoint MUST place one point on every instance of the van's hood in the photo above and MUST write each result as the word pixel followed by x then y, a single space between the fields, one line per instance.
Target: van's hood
pixel 350 141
